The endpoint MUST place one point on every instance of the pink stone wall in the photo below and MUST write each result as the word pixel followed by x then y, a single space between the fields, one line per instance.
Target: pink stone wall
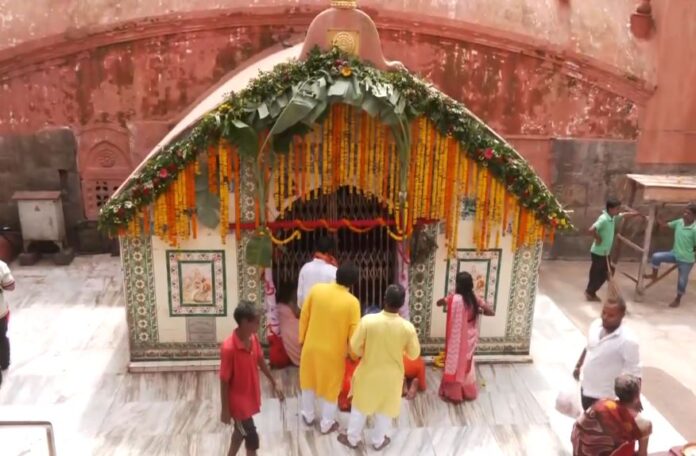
pixel 124 71
pixel 596 28
pixel 668 127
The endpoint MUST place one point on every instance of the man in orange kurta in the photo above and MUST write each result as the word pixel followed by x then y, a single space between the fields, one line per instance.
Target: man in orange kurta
pixel 328 318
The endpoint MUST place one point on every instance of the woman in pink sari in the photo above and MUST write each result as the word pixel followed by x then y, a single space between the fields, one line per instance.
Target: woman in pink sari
pixel 463 308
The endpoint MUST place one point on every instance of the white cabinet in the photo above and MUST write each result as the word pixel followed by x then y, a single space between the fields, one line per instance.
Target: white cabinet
pixel 41 218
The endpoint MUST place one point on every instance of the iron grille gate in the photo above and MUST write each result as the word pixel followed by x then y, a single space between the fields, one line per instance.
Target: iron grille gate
pixel 374 252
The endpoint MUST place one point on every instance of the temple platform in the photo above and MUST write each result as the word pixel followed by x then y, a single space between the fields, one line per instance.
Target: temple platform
pixel 70 367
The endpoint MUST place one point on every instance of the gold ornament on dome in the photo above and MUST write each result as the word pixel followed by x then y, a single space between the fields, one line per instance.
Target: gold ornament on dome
pixel 344 4
pixel 346 42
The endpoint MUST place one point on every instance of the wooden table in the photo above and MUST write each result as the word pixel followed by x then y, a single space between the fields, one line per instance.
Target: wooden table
pixel 657 190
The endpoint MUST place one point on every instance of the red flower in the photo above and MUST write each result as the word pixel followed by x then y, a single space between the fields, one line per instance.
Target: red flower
pixel 163 173
pixel 488 154
pixel 172 168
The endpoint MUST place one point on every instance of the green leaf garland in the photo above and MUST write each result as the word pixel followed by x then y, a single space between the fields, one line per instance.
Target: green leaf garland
pixel 322 79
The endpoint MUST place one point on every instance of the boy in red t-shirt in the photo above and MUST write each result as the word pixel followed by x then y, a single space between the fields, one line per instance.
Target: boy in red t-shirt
pixel 241 357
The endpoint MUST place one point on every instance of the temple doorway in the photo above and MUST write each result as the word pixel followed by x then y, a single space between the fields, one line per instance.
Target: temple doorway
pixel 373 251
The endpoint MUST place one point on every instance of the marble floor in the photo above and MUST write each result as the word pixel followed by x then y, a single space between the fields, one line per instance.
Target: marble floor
pixel 69 366
pixel 669 372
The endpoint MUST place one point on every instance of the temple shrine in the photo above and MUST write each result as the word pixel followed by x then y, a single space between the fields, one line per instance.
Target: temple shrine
pixel 330 138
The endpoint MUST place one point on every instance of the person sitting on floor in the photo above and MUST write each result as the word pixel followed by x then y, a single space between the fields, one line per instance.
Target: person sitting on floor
pixel 289 322
pixel 611 427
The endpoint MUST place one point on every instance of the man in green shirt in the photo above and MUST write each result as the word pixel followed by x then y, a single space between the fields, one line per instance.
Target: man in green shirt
pixel 603 233
pixel 682 253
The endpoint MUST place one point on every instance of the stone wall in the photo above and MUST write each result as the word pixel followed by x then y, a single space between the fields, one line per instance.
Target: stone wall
pixel 584 173
pixel 45 160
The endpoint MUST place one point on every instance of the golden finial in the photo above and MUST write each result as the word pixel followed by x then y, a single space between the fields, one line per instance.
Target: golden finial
pixel 344 4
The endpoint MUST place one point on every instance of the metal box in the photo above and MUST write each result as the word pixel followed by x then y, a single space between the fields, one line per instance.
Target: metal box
pixel 41 218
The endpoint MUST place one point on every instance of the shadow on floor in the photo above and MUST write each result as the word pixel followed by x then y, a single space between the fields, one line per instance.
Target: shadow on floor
pixel 661 388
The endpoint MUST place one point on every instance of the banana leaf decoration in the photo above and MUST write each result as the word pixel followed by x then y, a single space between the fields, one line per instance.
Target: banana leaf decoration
pixel 259 250
pixel 207 204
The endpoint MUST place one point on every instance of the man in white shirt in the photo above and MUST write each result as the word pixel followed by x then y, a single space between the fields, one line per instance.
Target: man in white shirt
pixel 322 269
pixel 7 283
pixel 611 350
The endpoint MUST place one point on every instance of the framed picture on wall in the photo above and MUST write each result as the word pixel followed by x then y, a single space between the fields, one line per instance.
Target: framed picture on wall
pixel 196 281
pixel 484 267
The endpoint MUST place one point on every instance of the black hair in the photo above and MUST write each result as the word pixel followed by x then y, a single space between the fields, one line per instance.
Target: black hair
pixel 464 286
pixel 325 245
pixel 627 387
pixel 245 311
pixel 395 296
pixel 618 302
pixel 286 293
pixel 347 274
pixel 613 203
pixel 691 207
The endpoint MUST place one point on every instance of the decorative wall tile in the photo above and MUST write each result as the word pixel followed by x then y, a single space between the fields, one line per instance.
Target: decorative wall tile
pixel 484 267
pixel 196 280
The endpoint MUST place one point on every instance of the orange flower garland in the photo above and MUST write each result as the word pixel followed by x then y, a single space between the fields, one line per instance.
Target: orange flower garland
pixel 351 149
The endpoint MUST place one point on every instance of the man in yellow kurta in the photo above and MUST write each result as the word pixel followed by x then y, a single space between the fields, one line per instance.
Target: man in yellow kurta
pixel 328 319
pixel 381 340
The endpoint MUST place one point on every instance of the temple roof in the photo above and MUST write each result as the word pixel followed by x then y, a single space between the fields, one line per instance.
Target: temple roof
pixel 256 105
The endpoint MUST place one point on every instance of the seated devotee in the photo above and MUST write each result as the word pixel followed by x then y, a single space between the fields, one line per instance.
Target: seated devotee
pixel 612 427
pixel 414 374
pixel 381 341
pixel 289 322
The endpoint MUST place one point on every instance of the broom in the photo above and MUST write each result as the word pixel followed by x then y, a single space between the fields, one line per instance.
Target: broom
pixel 614 290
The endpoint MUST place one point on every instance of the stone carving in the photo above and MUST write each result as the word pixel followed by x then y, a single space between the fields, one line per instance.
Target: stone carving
pixel 104 163
pixel 346 41
pixel 105 158
pixel 344 4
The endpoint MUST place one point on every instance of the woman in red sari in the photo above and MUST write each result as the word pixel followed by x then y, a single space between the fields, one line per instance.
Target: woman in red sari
pixel 463 308
pixel 612 427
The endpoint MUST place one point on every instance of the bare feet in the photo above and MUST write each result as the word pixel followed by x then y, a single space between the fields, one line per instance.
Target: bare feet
pixel 343 439
pixel 592 297
pixel 675 303
pixel 412 390
pixel 384 444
